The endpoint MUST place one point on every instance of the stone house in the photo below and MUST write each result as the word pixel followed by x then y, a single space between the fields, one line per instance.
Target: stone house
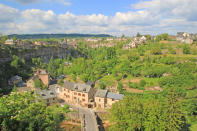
pixel 15 80
pixel 48 96
pixel 78 94
pixel 132 44
pixel 185 37
pixel 41 75
pixel 37 43
pixel 109 39
pixel 100 98
pixel 30 82
pixel 142 39
pixel 188 41
pixel 9 42
pixel 112 98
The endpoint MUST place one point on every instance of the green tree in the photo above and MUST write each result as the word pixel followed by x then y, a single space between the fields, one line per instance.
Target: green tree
pixel 158 38
pixel 3 39
pixel 127 115
pixel 153 116
pixel 186 49
pixel 111 53
pixel 138 35
pixel 148 37
pixel 120 87
pixel 164 36
pixel 52 68
pixel 133 57
pixel 142 83
pixel 38 84
pixel 156 51
pixel 24 111
pixel 172 113
pixel 14 38
pixel 102 85
pixel 15 62
pixel 61 82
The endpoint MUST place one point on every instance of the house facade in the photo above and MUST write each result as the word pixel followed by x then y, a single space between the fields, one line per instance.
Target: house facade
pixel 9 42
pixel 185 37
pixel 78 94
pixel 41 75
pixel 49 96
pixel 86 96
pixel 100 98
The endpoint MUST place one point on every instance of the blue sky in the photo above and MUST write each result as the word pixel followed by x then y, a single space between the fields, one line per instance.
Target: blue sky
pixel 115 17
pixel 78 7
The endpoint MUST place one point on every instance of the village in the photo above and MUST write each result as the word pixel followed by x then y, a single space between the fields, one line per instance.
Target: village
pixel 83 95
pixel 134 42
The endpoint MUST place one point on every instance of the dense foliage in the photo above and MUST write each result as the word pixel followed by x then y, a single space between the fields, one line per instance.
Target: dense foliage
pixel 24 111
pixel 133 113
pixel 153 64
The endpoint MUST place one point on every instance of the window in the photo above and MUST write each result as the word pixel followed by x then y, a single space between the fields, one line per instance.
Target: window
pixel 64 89
pixel 83 95
pixel 75 97
pixel 83 99
pixel 75 93
pixel 68 96
pixel 79 94
pixel 53 98
pixel 64 94
pixel 99 100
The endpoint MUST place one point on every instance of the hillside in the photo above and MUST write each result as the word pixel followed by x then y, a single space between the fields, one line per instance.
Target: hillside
pixel 41 36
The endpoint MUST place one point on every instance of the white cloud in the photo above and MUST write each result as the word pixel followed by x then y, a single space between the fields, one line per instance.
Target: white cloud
pixel 64 2
pixel 135 18
pixel 170 8
pixel 155 16
pixel 8 14
pixel 26 1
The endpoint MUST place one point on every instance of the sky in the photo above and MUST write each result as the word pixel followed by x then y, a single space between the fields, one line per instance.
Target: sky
pixel 115 17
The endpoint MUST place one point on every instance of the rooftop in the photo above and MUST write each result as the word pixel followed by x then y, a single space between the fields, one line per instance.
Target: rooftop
pixel 82 87
pixel 101 93
pixel 77 87
pixel 114 96
pixel 68 85
pixel 16 77
pixel 47 94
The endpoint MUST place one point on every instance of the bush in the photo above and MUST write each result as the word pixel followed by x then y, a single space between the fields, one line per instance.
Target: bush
pixel 142 83
pixel 38 83
pixel 120 87
pixel 61 82
pixel 171 50
pixel 156 51
pixel 133 85
pixel 186 49
pixel 164 36
pixel 102 85
pixel 133 57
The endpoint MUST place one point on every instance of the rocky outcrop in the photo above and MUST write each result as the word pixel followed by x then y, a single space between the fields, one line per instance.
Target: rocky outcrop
pixel 45 53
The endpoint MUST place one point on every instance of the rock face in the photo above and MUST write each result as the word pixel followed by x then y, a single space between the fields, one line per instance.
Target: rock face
pixel 45 53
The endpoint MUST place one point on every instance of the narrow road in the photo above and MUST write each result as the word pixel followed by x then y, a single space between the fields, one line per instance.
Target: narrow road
pixel 90 122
